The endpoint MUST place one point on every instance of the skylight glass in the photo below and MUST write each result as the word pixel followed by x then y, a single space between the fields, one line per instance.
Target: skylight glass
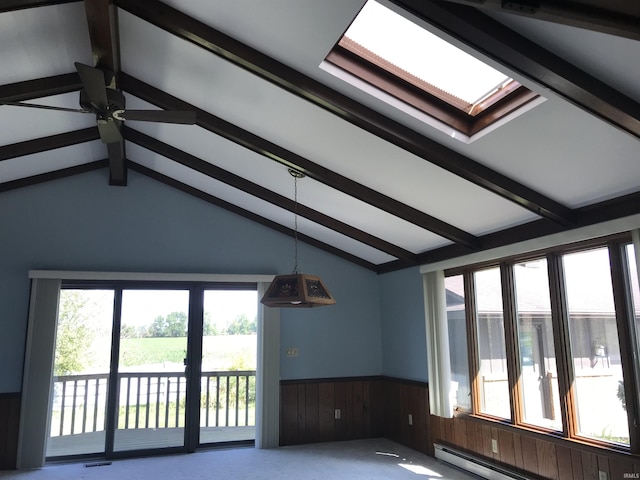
pixel 381 34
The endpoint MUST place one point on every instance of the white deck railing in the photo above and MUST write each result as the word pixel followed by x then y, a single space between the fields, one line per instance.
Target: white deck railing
pixel 151 400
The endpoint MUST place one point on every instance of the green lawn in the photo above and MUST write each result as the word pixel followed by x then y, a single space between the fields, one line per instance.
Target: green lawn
pixel 221 352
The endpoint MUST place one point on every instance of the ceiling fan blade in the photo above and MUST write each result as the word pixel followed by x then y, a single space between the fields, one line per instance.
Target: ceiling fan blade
pixel 93 81
pixel 109 131
pixel 43 107
pixel 162 116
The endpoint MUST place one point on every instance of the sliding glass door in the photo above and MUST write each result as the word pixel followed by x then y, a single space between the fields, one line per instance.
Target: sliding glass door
pixel 121 382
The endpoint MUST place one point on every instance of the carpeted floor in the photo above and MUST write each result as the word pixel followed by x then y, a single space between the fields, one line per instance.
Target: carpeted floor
pixel 353 460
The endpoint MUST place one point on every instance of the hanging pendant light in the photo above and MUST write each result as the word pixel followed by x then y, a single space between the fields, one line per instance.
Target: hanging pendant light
pixel 297 290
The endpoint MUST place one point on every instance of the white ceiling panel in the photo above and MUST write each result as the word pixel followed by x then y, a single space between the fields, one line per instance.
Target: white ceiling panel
pixel 44 41
pixel 241 98
pixel 250 203
pixel 51 160
pixel 24 123
pixel 274 176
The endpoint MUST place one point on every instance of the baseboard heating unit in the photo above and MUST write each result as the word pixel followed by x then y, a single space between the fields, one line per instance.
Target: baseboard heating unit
pixel 474 465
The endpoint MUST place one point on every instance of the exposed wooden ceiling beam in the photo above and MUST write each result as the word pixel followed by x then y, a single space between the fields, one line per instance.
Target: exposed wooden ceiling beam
pixel 265 194
pixel 250 215
pixel 41 87
pixel 515 52
pixel 10 5
pixel 38 145
pixel 289 159
pixel 607 210
pixel 102 21
pixel 613 18
pixel 200 34
pixel 55 175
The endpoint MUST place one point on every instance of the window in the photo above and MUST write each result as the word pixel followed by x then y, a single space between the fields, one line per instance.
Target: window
pixel 493 378
pixel 405 60
pixel 538 372
pixel 458 354
pixel 595 350
pixel 555 340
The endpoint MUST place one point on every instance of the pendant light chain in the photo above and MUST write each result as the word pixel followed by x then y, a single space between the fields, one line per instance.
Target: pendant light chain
pixel 295 222
pixel 296 175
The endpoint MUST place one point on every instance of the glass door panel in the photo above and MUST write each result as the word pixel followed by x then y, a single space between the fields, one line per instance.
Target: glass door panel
pixel 152 386
pixel 228 375
pixel 81 371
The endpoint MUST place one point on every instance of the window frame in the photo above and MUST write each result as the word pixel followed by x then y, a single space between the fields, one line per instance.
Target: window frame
pixel 389 79
pixel 624 314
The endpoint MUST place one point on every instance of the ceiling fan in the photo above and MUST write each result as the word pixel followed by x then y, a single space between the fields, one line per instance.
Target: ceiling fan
pixel 108 105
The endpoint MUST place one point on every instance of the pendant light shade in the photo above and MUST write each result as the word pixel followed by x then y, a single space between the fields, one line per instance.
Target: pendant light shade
pixel 297 290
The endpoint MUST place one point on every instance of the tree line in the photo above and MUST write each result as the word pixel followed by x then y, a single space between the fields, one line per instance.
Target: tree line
pixel 175 325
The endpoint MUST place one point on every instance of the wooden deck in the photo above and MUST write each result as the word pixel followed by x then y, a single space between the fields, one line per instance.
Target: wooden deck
pixel 139 439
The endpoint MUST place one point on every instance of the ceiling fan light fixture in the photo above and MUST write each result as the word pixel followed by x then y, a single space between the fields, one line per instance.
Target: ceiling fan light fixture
pixel 297 290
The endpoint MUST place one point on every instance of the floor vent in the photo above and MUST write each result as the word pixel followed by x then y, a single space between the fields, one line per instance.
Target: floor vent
pixel 475 465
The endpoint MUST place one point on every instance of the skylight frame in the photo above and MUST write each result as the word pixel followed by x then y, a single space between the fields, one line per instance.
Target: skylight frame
pixel 366 66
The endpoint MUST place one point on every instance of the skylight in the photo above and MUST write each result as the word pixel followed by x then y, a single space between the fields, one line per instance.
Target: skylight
pixel 421 54
pixel 401 58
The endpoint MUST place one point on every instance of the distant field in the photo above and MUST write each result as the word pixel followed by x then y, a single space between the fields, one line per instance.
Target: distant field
pixel 221 352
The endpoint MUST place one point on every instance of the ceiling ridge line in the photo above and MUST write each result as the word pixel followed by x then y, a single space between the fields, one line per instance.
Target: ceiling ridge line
pixel 207 197
pixel 289 159
pixel 258 191
pixel 285 77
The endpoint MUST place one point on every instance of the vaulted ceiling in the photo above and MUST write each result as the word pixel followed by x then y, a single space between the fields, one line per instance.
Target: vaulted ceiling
pixel 384 189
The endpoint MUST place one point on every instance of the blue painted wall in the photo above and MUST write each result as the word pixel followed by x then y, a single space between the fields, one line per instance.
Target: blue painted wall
pixel 404 351
pixel 81 223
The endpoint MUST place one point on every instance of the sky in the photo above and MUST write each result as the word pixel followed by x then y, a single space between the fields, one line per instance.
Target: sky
pixel 141 307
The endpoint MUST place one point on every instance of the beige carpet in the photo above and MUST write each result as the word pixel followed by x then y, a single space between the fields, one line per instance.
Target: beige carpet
pixel 370 459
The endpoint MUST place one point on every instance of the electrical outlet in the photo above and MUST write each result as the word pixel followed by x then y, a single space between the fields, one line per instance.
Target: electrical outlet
pixel 494 445
pixel 602 475
pixel 292 352
pixel 337 414
pixel 410 419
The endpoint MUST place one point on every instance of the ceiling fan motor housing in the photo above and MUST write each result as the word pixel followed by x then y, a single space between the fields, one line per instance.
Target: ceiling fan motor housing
pixel 115 100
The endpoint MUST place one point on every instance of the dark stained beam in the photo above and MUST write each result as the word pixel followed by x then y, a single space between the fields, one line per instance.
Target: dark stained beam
pixel 38 145
pixel 265 194
pixel 117 164
pixel 289 159
pixel 514 51
pixel 41 87
pixel 249 215
pixel 11 5
pixel 103 31
pixel 202 35
pixel 102 21
pixel 620 18
pixel 55 175
pixel 607 210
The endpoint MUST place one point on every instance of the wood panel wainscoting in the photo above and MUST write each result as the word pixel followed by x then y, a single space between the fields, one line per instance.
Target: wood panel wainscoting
pixel 531 453
pixel 9 423
pixel 369 407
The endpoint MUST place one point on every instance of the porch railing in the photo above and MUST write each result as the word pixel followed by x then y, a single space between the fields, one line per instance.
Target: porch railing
pixel 151 400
